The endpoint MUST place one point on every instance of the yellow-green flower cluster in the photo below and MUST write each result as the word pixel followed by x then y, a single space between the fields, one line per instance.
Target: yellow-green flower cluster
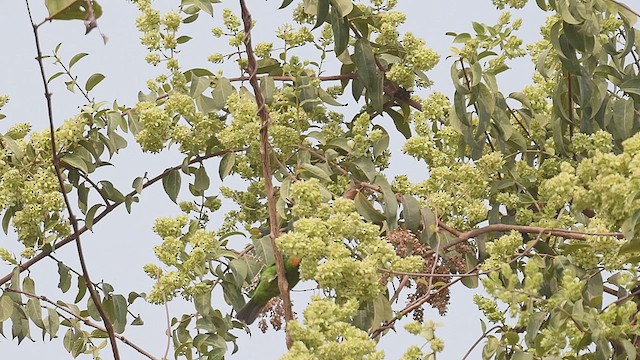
pixel 489 308
pixel 502 250
pixel 516 4
pixel 244 128
pixel 5 255
pixel 4 99
pixel 294 37
pixel 427 332
pixel 156 126
pixel 461 201
pixel 328 334
pixel 189 253
pixel 38 200
pixel 338 249
pixel 388 27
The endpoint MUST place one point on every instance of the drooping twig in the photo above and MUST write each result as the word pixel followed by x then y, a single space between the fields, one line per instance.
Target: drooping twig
pixel 252 69
pixel 72 219
pixel 85 320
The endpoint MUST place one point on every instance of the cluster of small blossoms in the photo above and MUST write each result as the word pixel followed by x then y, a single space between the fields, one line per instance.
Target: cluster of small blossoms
pixel 4 99
pixel 158 31
pixel 491 37
pixel 427 332
pixel 417 58
pixel 502 250
pixel 516 4
pixel 598 183
pixel 327 331
pixel 385 5
pixel 293 37
pixel 6 256
pixel 388 27
pixel 251 201
pixel 188 253
pixel 338 249
pixel 489 308
pixel 156 126
pixel 36 196
pixel 461 202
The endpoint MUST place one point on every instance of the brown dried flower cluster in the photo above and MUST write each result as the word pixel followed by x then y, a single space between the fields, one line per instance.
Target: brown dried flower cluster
pixel 406 244
pixel 274 312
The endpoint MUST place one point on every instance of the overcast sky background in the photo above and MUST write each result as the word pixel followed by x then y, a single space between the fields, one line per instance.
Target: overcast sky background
pixel 123 243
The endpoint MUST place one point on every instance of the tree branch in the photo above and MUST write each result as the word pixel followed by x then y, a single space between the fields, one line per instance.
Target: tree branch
pixel 105 212
pixel 72 219
pixel 252 69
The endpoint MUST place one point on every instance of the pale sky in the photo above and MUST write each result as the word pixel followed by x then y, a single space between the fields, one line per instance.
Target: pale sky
pixel 123 243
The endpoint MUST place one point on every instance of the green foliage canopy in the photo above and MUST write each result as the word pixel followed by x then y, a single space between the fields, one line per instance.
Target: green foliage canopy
pixel 535 193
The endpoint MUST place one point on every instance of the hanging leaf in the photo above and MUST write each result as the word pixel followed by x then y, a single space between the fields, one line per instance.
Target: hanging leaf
pixel 171 184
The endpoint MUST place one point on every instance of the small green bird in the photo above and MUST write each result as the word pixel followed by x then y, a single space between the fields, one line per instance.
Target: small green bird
pixel 268 288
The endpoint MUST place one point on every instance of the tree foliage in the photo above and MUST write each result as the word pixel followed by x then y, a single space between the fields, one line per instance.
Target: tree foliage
pixel 535 194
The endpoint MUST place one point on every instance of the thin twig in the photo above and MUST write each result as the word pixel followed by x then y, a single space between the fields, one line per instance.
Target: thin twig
pixel 478 341
pixel 72 219
pixel 252 69
pixel 84 320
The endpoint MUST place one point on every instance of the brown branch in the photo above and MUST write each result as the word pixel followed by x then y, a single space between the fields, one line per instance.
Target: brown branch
pixel 289 78
pixel 105 212
pixel 84 320
pixel 252 69
pixel 72 219
pixel 567 234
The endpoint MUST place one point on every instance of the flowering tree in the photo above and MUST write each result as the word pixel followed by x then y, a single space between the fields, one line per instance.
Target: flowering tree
pixel 536 194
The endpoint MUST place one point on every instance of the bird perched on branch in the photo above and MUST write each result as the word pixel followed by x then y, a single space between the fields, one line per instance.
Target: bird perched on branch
pixel 268 288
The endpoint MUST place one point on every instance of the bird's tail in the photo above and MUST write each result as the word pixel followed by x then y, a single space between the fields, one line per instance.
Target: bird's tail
pixel 249 313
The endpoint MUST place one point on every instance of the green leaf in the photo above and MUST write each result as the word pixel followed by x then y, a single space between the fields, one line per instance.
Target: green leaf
pixel 623 117
pixel 328 99
pixel 221 92
pixel 382 311
pixel 93 80
pixel 183 39
pixel 411 213
pixel 490 347
pixel 323 12
pixel 344 7
pixel 82 290
pixel 88 220
pixel 316 172
pixel 366 209
pixel 34 312
pixel 76 58
pixel 402 125
pixel 390 204
pixel 263 249
pixel 71 9
pixel 73 161
pixel 171 184
pixel 268 88
pixel 226 165
pixel 201 182
pixel 65 277
pixel 6 307
pixel 111 192
pixel 198 85
pixel 138 184
pixel 366 67
pixel 54 76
